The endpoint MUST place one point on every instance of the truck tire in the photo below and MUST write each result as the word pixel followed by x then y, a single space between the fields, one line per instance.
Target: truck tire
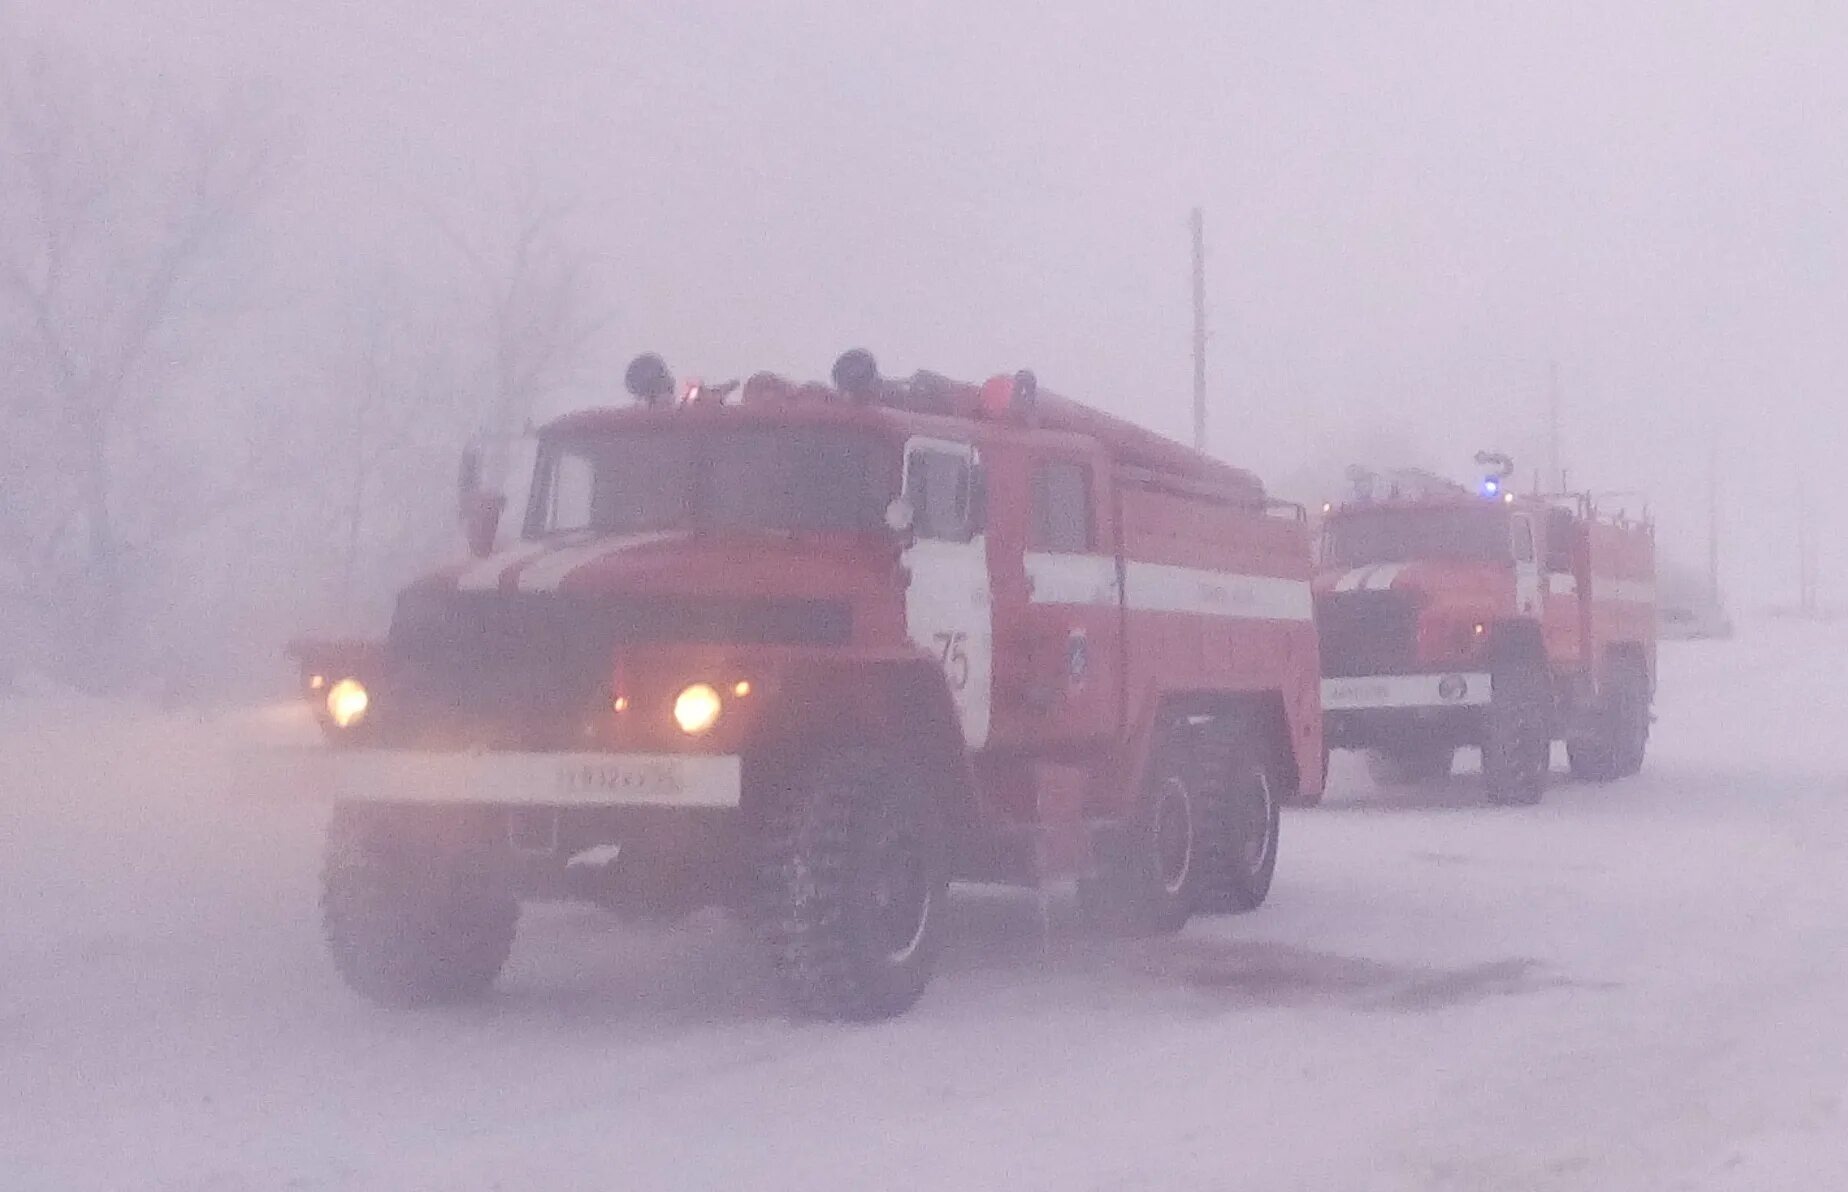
pixel 1239 821
pixel 1410 765
pixel 1148 874
pixel 1619 735
pixel 1517 744
pixel 853 880
pixel 417 909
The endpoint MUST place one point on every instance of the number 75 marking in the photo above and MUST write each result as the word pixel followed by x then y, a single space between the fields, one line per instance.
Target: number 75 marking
pixel 953 655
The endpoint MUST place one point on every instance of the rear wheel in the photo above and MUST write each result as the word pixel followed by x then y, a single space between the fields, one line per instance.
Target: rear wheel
pixel 1239 821
pixel 1410 765
pixel 417 907
pixel 852 884
pixel 1619 735
pixel 1518 739
pixel 1147 875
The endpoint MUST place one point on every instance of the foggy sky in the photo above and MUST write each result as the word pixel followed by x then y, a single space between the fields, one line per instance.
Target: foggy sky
pixel 1412 208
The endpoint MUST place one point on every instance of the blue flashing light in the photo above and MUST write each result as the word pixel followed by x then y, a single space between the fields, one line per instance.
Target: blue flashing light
pixel 1491 487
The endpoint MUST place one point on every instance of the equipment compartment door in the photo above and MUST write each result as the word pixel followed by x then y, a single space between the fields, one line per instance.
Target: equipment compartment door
pixel 948 603
pixel 1074 609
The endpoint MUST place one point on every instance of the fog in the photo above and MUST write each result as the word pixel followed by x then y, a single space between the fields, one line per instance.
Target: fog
pixel 267 268
pixel 1413 213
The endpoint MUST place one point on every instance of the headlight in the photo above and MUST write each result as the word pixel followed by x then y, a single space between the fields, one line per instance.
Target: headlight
pixel 696 709
pixel 346 702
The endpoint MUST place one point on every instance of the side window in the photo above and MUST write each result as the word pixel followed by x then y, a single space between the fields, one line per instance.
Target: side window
pixel 1561 532
pixel 1523 540
pixel 941 491
pixel 1061 507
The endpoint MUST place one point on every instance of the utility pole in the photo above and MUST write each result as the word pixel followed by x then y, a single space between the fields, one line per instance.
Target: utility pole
pixel 1713 519
pixel 1554 476
pixel 1198 222
pixel 1806 563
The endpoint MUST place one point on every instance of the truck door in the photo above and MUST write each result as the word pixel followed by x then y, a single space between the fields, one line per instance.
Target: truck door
pixel 1527 577
pixel 948 604
pixel 1074 610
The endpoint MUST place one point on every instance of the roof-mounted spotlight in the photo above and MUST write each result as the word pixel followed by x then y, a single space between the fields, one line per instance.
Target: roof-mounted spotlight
pixel 929 393
pixel 1026 397
pixel 765 387
pixel 648 380
pixel 856 375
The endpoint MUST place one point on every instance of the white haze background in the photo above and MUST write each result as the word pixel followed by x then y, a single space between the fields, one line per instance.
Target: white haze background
pixel 1412 210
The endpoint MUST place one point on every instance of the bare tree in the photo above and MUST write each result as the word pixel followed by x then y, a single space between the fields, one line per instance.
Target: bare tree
pixel 117 200
pixel 540 304
pixel 394 404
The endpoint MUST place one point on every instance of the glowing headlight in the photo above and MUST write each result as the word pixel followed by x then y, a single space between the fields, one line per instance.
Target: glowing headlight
pixel 346 702
pixel 696 709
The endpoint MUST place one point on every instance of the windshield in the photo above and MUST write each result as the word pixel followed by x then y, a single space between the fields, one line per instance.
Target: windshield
pixel 1403 535
pixel 751 478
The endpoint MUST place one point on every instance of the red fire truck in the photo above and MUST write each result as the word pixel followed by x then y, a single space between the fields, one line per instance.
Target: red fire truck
pixel 810 652
pixel 1455 617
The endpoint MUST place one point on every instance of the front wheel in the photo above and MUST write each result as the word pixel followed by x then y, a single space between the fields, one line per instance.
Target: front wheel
pixel 853 881
pixel 1517 746
pixel 416 906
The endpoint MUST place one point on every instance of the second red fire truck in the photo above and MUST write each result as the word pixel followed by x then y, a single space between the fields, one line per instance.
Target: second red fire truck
pixel 1452 617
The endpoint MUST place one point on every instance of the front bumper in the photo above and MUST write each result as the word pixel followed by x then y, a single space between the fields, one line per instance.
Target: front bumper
pixel 1373 711
pixel 1365 692
pixel 521 779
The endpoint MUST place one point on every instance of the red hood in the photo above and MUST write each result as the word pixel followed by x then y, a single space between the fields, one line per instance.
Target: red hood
pixel 679 562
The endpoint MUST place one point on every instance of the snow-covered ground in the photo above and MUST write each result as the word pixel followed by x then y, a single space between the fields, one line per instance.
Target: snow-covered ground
pixel 1639 986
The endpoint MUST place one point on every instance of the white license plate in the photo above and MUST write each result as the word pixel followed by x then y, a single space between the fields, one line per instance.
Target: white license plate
pixel 535 779
pixel 650 780
pixel 1405 691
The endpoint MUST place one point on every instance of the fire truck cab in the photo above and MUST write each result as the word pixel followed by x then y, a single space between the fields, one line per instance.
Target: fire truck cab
pixel 810 652
pixel 1452 617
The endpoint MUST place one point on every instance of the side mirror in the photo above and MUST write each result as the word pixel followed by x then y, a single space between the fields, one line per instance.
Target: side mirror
pixel 478 509
pixel 481 515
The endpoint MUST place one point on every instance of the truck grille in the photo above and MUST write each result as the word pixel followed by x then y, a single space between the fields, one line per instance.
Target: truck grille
pixel 541 655
pixel 1367 633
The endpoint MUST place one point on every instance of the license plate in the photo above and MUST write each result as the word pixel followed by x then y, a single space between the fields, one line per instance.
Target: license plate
pixel 514 779
pixel 648 780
